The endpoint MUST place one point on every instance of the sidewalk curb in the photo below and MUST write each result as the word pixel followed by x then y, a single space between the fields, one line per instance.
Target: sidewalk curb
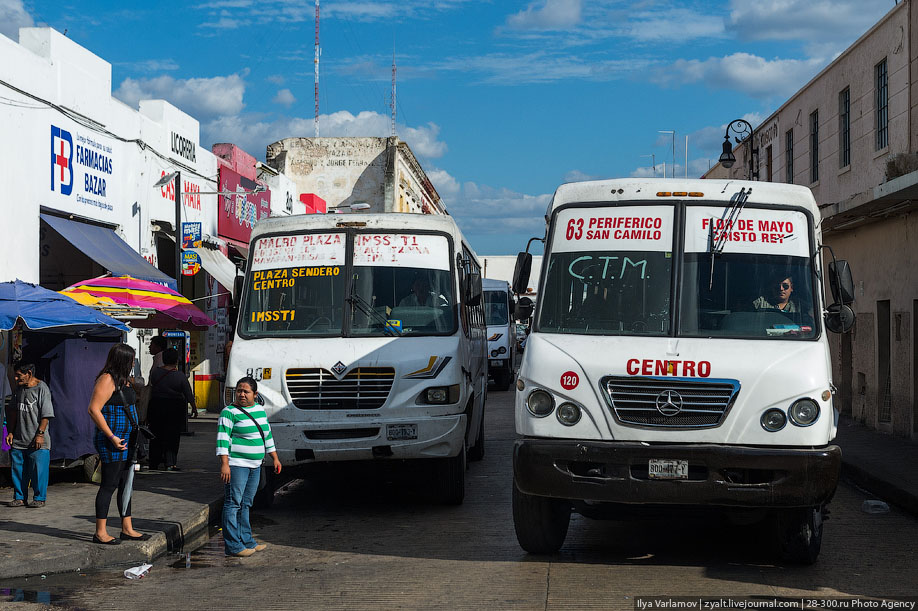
pixel 885 490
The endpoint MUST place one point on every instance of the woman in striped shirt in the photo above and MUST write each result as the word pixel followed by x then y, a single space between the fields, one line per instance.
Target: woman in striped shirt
pixel 243 440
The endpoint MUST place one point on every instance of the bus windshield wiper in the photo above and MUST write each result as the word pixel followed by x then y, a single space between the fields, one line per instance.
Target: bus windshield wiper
pixel 359 303
pixel 727 219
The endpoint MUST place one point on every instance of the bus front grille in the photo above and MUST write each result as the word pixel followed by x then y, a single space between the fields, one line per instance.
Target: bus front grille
pixel 360 388
pixel 669 402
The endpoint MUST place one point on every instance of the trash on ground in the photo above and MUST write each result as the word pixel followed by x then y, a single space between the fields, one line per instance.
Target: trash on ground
pixel 874 506
pixel 138 572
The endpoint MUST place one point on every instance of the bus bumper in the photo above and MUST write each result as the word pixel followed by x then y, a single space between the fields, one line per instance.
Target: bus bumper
pixel 438 437
pixel 719 475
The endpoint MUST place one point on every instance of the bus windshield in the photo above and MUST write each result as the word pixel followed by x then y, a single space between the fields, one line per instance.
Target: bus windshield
pixel 760 284
pixel 400 284
pixel 496 313
pixel 610 272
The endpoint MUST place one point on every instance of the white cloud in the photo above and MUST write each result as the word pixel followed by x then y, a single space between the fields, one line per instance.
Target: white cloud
pixel 578 176
pixel 675 24
pixel 539 67
pixel 839 21
pixel 202 98
pixel 284 97
pixel 277 79
pixel 151 65
pixel 13 16
pixel 547 15
pixel 253 133
pixel 755 76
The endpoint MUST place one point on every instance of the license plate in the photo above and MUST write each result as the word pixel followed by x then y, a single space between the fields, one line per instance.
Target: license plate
pixel 667 469
pixel 401 432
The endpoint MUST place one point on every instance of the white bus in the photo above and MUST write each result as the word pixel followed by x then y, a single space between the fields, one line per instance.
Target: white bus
pixel 498 309
pixel 679 358
pixel 366 335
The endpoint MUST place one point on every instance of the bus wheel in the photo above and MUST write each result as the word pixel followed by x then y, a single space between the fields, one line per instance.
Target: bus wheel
pixel 800 534
pixel 264 498
pixel 476 452
pixel 541 523
pixel 452 478
pixel 503 379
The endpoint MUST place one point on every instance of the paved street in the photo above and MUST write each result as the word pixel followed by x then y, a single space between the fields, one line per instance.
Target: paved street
pixel 356 540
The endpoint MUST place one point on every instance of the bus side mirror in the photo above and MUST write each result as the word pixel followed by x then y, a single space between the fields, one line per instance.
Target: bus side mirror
pixel 840 282
pixel 523 309
pixel 521 272
pixel 839 318
pixel 237 289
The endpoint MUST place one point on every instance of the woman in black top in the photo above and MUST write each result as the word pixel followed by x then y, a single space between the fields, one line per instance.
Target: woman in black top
pixel 170 394
pixel 113 410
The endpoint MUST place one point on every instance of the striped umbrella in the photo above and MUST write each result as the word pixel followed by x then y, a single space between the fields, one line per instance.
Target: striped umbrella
pixel 171 309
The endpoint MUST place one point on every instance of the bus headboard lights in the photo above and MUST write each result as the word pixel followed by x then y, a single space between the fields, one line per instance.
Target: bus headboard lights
pixel 540 403
pixel 804 412
pixel 569 414
pixel 773 420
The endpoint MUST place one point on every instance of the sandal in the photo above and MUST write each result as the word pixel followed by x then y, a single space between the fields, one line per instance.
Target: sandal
pixel 112 541
pixel 16 503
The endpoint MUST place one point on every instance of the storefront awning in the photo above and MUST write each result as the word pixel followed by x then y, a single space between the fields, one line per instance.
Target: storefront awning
pixel 217 265
pixel 103 246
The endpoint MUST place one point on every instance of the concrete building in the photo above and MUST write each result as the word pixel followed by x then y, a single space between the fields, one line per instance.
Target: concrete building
pixel 382 172
pixel 78 168
pixel 851 135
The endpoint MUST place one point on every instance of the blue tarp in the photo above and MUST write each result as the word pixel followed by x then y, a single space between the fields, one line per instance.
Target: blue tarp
pixel 44 310
pixel 103 246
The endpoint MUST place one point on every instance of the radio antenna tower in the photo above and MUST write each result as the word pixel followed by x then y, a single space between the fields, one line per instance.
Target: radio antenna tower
pixel 316 61
pixel 392 101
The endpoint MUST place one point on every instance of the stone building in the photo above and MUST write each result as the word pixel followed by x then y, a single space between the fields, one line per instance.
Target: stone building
pixel 851 135
pixel 381 172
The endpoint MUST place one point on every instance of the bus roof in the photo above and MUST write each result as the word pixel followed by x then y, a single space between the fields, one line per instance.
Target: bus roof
pixel 490 284
pixel 718 190
pixel 386 221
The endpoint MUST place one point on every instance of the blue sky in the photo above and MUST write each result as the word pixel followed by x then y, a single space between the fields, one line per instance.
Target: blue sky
pixel 501 101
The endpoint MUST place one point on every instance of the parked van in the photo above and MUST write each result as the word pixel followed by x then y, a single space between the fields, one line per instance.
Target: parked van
pixel 366 335
pixel 679 358
pixel 498 307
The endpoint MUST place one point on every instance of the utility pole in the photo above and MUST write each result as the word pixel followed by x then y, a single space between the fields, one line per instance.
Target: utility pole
pixel 178 232
pixel 316 62
pixel 392 101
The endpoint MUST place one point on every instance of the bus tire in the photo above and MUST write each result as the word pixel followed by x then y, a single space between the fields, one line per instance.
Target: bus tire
pixel 541 523
pixel 451 474
pixel 477 451
pixel 800 534
pixel 264 498
pixel 502 379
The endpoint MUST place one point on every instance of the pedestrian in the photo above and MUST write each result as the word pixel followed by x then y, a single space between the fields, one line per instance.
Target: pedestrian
pixel 243 440
pixel 157 346
pixel 27 420
pixel 113 410
pixel 170 394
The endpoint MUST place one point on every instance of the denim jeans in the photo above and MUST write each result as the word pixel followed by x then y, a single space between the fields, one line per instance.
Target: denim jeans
pixel 30 465
pixel 238 495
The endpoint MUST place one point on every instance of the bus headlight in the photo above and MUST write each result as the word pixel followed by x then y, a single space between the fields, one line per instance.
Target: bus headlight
pixel 540 403
pixel 773 420
pixel 502 350
pixel 804 412
pixel 569 414
pixel 440 395
pixel 494 353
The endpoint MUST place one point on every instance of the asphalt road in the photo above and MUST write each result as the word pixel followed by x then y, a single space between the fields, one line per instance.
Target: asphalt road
pixel 364 538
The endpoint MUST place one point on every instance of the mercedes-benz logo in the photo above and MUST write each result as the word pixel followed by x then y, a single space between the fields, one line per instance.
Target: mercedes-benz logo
pixel 669 403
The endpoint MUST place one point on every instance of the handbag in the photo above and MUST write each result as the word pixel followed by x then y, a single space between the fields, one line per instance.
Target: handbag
pixel 262 479
pixel 97 473
pixel 143 428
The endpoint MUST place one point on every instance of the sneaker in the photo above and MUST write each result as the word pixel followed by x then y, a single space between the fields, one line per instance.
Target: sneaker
pixel 37 504
pixel 172 468
pixel 260 547
pixel 16 503
pixel 243 553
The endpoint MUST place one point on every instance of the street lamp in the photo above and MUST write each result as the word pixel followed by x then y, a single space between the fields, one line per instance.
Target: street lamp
pixel 177 176
pixel 741 127
pixel 673 133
